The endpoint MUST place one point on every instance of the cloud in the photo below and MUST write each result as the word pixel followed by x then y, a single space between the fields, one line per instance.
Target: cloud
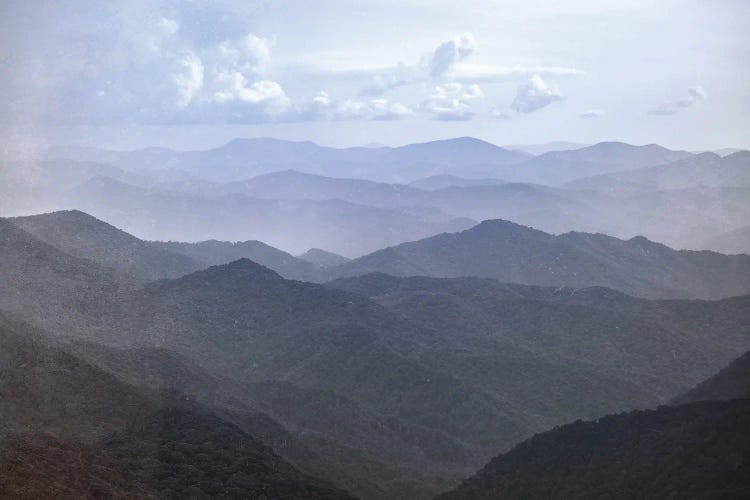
pixel 500 114
pixel 190 80
pixel 695 94
pixel 324 107
pixel 451 101
pixel 449 53
pixel 492 73
pixel 534 95
pixel 592 113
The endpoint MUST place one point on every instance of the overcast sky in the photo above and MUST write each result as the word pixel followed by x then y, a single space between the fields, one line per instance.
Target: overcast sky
pixel 194 74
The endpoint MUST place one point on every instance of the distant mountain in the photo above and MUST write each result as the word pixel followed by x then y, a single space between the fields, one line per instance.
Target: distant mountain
pixel 732 382
pixel 243 158
pixel 322 258
pixel 728 151
pixel 692 451
pixel 705 169
pixel 539 149
pixel 296 225
pixel 80 234
pixel 34 186
pixel 445 181
pixel 212 253
pixel 731 242
pixel 558 167
pixel 509 252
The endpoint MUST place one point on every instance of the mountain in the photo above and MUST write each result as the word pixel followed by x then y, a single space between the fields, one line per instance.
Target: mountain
pixel 297 225
pixel 558 167
pixel 445 181
pixel 732 382
pixel 398 405
pixel 60 415
pixel 704 169
pixel 322 258
pixel 539 149
pixel 243 158
pixel 731 242
pixel 519 342
pixel 33 186
pixel 56 289
pixel 513 253
pixel 212 253
pixel 80 234
pixel 691 451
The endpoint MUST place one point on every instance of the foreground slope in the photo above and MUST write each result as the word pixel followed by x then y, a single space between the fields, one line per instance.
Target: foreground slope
pixel 696 449
pixel 732 382
pixel 70 429
pixel 691 451
pixel 513 253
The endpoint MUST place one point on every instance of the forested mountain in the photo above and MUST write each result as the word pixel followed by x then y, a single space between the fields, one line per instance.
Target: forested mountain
pixel 732 382
pixel 212 253
pixel 691 451
pixel 80 234
pixel 695 448
pixel 513 253
pixel 402 395
pixel 70 429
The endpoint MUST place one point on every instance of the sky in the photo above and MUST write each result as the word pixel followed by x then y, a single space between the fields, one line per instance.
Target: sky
pixel 193 74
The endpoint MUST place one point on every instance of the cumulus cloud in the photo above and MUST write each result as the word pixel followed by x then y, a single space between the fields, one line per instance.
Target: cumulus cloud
pixel 695 94
pixel 534 95
pixel 451 101
pixel 189 80
pixel 592 113
pixel 325 107
pixel 449 53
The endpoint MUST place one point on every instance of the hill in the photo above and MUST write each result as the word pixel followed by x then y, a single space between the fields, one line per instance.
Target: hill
pixel 513 253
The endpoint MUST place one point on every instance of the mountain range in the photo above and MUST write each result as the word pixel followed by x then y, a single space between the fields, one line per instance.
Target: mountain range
pixel 276 319
pixel 399 386
pixel 353 201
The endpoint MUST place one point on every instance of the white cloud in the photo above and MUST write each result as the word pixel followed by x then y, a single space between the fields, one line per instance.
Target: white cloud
pixel 325 107
pixel 592 113
pixel 451 101
pixel 227 79
pixel 449 53
pixel 534 95
pixel 695 94
pixel 190 81
pixel 500 114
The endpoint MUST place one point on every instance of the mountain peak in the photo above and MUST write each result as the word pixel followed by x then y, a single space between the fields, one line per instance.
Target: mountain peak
pixel 242 269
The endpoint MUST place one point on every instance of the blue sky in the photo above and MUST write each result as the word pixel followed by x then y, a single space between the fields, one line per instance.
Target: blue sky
pixel 194 74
